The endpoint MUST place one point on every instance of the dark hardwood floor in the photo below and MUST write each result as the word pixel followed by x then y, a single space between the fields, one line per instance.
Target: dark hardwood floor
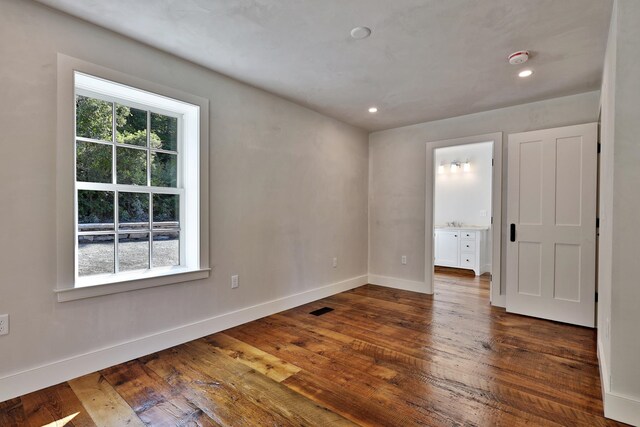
pixel 382 357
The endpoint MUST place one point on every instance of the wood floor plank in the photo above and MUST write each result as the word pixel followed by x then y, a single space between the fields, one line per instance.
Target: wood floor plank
pixel 418 320
pixel 392 399
pixel 369 402
pixel 265 363
pixel 320 345
pixel 440 369
pixel 105 406
pixel 219 398
pixel 382 357
pixel 277 398
pixel 12 413
pixel 480 346
pixel 55 406
pixel 401 340
pixel 153 400
pixel 405 354
pixel 364 410
pixel 254 396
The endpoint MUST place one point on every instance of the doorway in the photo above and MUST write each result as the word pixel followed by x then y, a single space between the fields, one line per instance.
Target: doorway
pixel 463 210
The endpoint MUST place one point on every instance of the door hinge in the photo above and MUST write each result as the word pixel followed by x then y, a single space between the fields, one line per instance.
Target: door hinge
pixel 596 297
pixel 599 148
pixel 597 222
pixel 491 162
pixel 491 220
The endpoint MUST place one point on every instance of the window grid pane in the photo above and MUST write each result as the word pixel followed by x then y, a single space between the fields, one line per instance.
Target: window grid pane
pixel 164 169
pixel 122 147
pixel 133 251
pixel 94 118
pixel 94 162
pixel 165 131
pixel 131 126
pixel 166 249
pixel 96 254
pixel 95 211
pixel 133 211
pixel 131 166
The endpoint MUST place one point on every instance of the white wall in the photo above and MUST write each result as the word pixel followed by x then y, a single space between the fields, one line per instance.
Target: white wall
pixel 605 235
pixel 463 196
pixel 397 170
pixel 288 193
pixel 619 288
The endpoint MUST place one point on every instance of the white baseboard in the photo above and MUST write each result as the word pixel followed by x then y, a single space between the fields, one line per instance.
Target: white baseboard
pixel 622 408
pixel 394 282
pixel 604 369
pixel 617 407
pixel 30 380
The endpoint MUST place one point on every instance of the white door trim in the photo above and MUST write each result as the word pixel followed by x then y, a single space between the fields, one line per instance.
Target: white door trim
pixel 498 298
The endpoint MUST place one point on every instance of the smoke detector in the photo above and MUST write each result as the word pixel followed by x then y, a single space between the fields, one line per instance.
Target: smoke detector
pixel 520 57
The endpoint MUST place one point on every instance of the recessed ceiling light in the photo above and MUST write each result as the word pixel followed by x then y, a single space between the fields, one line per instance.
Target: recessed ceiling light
pixel 373 110
pixel 525 73
pixel 360 33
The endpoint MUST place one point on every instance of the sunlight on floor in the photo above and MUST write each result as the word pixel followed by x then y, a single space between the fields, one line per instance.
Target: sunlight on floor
pixel 62 422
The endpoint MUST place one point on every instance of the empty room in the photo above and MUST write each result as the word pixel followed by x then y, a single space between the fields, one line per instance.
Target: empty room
pixel 314 213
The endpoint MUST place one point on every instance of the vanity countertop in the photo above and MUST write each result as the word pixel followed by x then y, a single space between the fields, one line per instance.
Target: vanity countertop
pixel 464 227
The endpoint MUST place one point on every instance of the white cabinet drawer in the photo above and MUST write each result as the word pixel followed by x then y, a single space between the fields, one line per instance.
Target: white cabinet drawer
pixel 468 246
pixel 468 235
pixel 467 260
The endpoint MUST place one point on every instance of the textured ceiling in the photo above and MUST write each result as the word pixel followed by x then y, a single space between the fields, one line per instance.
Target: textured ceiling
pixel 426 59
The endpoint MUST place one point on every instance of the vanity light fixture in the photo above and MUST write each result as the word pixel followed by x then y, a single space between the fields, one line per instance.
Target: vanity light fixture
pixel 455 166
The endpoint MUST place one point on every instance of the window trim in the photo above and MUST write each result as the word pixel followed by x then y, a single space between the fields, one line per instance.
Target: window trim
pixel 67 286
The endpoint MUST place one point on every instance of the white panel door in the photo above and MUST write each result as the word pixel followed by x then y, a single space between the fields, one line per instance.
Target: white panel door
pixel 447 252
pixel 551 213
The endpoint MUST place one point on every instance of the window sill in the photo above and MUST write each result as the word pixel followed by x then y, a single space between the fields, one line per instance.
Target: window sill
pixel 169 277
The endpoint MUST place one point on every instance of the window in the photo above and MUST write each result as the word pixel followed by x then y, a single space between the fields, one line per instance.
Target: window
pixel 137 193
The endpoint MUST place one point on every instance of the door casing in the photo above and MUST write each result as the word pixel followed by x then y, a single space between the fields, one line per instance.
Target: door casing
pixel 497 294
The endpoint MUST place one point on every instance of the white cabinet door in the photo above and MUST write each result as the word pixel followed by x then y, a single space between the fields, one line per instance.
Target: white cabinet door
pixel 447 245
pixel 552 224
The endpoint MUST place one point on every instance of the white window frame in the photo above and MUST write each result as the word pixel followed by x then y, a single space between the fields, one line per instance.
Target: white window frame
pixel 83 78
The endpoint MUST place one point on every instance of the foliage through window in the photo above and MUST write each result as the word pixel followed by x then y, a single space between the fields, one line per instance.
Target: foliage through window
pixel 129 193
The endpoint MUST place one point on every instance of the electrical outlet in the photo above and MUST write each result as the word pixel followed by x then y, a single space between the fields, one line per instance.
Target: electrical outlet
pixel 404 260
pixel 483 213
pixel 335 262
pixel 234 282
pixel 4 324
